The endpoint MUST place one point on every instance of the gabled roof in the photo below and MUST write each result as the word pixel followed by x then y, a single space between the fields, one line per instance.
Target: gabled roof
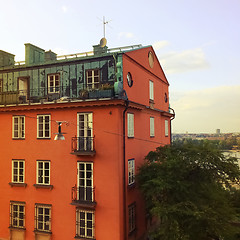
pixel 141 56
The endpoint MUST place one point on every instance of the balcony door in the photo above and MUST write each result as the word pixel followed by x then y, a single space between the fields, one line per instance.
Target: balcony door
pixel 23 88
pixel 85 132
pixel 85 181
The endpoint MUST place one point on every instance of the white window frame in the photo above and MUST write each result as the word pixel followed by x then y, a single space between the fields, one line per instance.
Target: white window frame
pixel 87 224
pixel 18 127
pixel 43 217
pixel 18 172
pixel 130 124
pixel 131 171
pixel 132 217
pixel 55 80
pixel 93 78
pixel 166 128
pixel 151 90
pixel 17 214
pixel 85 179
pixel 85 131
pixel 42 172
pixel 46 126
pixel 152 127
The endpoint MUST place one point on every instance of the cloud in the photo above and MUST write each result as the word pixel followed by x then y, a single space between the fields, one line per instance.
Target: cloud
pixel 64 9
pixel 184 61
pixel 126 34
pixel 160 44
pixel 206 110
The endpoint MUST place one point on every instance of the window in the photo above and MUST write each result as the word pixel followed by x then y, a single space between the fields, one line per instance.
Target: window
pixel 132 217
pixel 152 127
pixel 43 126
pixel 151 90
pixel 93 78
pixel 130 121
pixel 85 132
pixel 131 171
pixel 17 214
pixel 84 224
pixel 18 127
pixel 43 217
pixel 18 167
pixel 43 172
pixel 166 128
pixel 53 83
pixel 85 181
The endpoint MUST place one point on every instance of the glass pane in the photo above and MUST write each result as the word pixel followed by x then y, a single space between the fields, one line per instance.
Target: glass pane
pixel 89 174
pixel 89 216
pixel 82 167
pixel 82 215
pixel 14 207
pixel 89 232
pixel 47 180
pixel 82 174
pixel 47 165
pixel 47 211
pixel 82 232
pixel 40 225
pixel 20 223
pixel 89 166
pixel 89 182
pixel 82 223
pixel 46 226
pixel 40 119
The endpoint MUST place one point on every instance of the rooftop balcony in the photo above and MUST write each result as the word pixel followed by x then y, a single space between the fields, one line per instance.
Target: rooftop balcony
pixel 83 146
pixel 83 196
pixel 57 94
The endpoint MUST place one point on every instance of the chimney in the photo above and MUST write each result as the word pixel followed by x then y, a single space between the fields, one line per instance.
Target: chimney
pixel 6 59
pixel 50 56
pixel 33 54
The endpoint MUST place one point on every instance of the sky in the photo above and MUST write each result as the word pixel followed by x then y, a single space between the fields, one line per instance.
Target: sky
pixel 197 43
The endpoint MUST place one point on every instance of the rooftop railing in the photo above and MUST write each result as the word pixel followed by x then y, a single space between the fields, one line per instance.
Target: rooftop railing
pixel 53 94
pixel 91 53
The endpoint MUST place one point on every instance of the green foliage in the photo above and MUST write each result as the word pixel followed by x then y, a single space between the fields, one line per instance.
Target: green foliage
pixel 226 144
pixel 188 188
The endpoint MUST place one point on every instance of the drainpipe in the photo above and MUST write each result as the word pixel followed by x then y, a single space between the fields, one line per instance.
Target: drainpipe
pixel 124 170
pixel 171 124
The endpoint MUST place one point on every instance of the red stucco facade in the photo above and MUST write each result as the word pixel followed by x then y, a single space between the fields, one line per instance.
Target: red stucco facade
pixel 110 200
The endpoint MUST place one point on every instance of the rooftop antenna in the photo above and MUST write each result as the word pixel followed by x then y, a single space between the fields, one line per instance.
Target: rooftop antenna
pixel 104 26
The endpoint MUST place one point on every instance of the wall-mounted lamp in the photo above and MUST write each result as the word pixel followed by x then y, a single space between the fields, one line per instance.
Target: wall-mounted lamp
pixel 59 135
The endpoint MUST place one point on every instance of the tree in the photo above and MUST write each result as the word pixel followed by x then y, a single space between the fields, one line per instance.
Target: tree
pixel 188 191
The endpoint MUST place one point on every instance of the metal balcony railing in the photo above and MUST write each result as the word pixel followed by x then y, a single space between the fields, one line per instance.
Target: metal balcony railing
pixel 83 195
pixel 83 145
pixel 50 94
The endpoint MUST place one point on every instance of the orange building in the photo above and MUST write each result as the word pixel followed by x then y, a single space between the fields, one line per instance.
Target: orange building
pixel 112 108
